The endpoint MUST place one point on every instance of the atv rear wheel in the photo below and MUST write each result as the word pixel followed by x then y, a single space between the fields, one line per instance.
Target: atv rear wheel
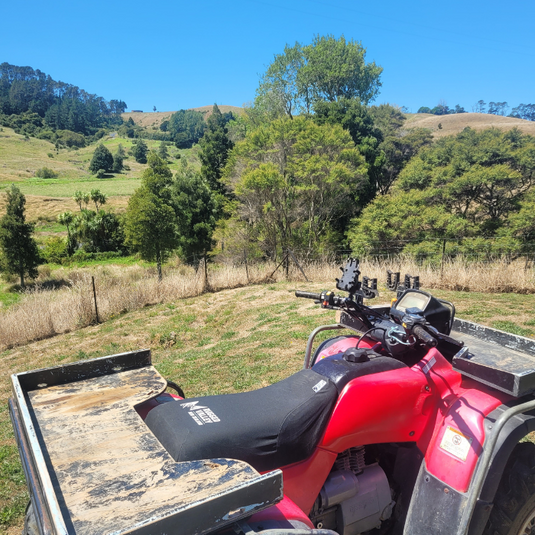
pixel 514 505
pixel 30 523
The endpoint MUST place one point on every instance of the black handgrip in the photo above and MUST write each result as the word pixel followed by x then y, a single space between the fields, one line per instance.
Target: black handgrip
pixel 424 336
pixel 308 295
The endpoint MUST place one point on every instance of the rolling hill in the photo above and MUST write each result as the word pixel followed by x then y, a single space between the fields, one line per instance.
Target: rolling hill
pixel 453 124
pixel 155 119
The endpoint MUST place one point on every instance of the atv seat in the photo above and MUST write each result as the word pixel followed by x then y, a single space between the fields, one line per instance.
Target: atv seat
pixel 268 428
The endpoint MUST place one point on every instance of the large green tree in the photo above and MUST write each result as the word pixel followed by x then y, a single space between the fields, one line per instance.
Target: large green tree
pixel 140 150
pixel 20 255
pixel 150 226
pixel 356 119
pixel 215 148
pixel 328 69
pixel 102 159
pixel 196 209
pixel 463 189
pixel 186 127
pixel 297 182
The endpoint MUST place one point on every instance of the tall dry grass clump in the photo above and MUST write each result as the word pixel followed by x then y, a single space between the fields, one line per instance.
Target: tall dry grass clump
pixel 43 313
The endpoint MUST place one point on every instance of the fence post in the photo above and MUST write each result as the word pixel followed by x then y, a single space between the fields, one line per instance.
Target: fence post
pixel 206 285
pixel 442 262
pixel 246 267
pixel 95 297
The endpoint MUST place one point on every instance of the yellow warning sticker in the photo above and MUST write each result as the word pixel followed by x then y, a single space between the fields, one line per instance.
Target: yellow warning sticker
pixel 456 443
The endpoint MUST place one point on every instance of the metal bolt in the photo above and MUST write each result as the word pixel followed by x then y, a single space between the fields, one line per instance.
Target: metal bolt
pixel 411 434
pixel 446 491
pixel 427 389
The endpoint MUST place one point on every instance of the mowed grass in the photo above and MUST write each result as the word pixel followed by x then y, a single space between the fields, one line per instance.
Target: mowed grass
pixel 225 342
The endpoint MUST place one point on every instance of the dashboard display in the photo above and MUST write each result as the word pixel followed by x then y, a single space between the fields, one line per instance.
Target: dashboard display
pixel 413 299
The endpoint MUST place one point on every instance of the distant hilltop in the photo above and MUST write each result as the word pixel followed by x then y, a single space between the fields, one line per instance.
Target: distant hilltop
pixel 156 118
pixel 446 125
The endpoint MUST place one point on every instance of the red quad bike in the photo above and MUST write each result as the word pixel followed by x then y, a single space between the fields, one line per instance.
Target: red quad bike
pixel 411 424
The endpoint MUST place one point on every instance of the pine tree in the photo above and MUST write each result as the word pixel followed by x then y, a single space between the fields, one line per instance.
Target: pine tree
pixel 150 222
pixel 118 159
pixel 20 255
pixel 102 159
pixel 139 151
pixel 196 208
pixel 215 148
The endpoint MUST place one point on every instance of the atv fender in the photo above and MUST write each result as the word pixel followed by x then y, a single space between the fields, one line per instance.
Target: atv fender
pixel 437 507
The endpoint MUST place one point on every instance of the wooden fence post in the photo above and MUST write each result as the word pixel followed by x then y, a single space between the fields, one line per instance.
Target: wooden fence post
pixel 95 297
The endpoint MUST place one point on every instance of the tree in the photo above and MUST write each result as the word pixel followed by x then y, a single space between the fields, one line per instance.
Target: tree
pixel 463 188
pixel 150 227
pixel 524 111
pixel 102 159
pixel 20 255
pixel 162 151
pixel 327 69
pixel 398 150
pixel 357 120
pixel 336 68
pixel 297 182
pixel 215 148
pixel 118 159
pixel 140 150
pixel 196 209
pixel 186 128
pixel 98 198
pixel 480 106
pixel 80 198
pixel 67 219
pixel 282 89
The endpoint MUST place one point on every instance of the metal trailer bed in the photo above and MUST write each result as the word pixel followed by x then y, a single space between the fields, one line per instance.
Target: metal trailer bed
pixel 94 468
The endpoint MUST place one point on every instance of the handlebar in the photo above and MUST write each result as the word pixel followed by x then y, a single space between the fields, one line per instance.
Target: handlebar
pixel 308 295
pixel 424 336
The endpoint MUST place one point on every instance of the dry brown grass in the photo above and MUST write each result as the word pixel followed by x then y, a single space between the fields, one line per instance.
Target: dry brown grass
pixel 42 313
pixel 455 123
pixel 148 119
pixel 49 207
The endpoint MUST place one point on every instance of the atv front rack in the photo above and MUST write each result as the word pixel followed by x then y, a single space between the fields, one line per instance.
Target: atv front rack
pixel 93 466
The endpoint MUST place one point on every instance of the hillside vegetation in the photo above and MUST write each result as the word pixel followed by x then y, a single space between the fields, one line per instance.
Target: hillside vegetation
pixel 154 119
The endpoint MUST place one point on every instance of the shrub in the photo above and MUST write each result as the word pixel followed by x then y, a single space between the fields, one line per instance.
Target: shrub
pixel 55 250
pixel 101 173
pixel 46 172
pixel 50 155
pixel 71 139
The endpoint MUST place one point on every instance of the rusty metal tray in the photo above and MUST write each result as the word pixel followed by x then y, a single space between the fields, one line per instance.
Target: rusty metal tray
pixel 93 467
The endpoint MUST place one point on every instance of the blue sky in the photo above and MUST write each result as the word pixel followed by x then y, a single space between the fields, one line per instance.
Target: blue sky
pixel 175 55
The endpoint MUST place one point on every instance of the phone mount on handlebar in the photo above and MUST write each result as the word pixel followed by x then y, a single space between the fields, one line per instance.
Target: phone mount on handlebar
pixel 349 282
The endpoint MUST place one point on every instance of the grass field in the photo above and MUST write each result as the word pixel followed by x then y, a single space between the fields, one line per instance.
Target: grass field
pixel 20 158
pixel 113 186
pixel 230 341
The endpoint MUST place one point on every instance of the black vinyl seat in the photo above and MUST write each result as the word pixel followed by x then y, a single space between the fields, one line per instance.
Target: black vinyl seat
pixel 267 428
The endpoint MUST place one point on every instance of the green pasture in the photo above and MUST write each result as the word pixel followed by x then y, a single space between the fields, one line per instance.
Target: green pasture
pixel 57 187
